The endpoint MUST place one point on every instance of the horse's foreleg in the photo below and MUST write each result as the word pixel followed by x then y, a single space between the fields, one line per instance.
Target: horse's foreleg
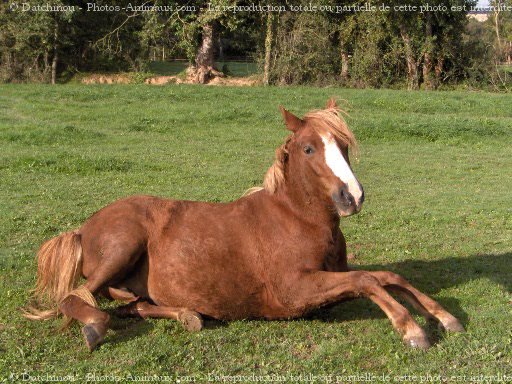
pixel 191 321
pixel 421 302
pixel 318 288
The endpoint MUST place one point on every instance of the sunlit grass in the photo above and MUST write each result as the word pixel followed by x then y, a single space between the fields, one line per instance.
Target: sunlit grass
pixel 437 171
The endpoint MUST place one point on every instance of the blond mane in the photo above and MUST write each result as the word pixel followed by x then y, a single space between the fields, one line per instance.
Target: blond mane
pixel 331 120
pixel 323 120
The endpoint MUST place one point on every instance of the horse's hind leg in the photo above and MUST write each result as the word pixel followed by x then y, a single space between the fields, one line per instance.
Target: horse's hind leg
pixel 76 306
pixel 191 321
pixel 429 308
pixel 117 259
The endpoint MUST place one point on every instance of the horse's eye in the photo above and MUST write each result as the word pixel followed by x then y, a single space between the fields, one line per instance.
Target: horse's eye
pixel 308 150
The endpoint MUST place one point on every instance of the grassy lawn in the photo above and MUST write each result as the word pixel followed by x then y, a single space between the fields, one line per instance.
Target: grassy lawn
pixel 437 172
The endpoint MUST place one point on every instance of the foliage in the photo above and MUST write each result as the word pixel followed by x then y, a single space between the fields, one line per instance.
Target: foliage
pixel 478 53
pixel 376 55
pixel 385 48
pixel 28 40
pixel 304 52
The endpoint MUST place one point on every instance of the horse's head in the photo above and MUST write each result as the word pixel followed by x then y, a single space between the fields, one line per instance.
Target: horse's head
pixel 315 158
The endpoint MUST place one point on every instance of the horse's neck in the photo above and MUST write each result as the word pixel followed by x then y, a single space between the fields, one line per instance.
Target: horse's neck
pixel 309 207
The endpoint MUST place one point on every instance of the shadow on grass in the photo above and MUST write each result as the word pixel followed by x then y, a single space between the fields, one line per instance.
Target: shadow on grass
pixel 430 277
pixel 126 329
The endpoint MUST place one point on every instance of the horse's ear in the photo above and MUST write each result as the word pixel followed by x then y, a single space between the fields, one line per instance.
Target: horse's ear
pixel 331 103
pixel 293 123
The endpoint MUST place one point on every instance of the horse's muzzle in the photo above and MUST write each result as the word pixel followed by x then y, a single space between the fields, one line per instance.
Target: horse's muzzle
pixel 346 203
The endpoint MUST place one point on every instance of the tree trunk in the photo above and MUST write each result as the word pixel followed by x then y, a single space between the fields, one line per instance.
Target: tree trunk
pixel 7 63
pixel 205 55
pixel 46 70
pixel 344 63
pixel 269 40
pixel 427 56
pixel 55 60
pixel 439 69
pixel 412 65
pixel 497 25
pixel 220 49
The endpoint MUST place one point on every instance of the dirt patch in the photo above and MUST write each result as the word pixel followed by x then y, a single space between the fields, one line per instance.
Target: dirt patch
pixel 162 80
pixel 106 79
pixel 235 81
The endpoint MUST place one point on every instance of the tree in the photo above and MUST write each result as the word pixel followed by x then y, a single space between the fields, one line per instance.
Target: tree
pixel 430 35
pixel 204 65
pixel 503 30
pixel 346 32
pixel 31 42
pixel 271 21
pixel 372 51
pixel 304 50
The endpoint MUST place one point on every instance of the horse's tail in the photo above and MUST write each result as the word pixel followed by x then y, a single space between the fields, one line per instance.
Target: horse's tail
pixel 59 264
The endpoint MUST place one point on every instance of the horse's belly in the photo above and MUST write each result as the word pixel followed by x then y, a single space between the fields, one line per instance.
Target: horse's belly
pixel 219 299
pixel 212 282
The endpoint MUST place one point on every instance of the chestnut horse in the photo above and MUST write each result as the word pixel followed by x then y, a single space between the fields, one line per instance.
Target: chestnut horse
pixel 275 253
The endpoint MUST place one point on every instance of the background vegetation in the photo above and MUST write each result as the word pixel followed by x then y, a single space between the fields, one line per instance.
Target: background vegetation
pixel 437 48
pixel 436 170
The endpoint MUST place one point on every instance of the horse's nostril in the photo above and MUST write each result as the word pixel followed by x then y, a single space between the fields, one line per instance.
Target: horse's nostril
pixel 346 196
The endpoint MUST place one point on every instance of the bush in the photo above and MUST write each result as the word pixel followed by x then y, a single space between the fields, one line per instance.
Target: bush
pixel 306 54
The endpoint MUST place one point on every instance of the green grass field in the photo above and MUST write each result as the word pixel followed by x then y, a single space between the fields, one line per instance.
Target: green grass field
pixel 437 172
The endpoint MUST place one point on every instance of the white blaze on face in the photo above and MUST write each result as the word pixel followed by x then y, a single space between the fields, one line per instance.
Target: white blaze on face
pixel 339 166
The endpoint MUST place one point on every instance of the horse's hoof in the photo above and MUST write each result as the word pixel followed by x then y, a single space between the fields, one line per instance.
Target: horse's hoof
pixel 418 341
pixel 451 325
pixel 191 321
pixel 93 335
